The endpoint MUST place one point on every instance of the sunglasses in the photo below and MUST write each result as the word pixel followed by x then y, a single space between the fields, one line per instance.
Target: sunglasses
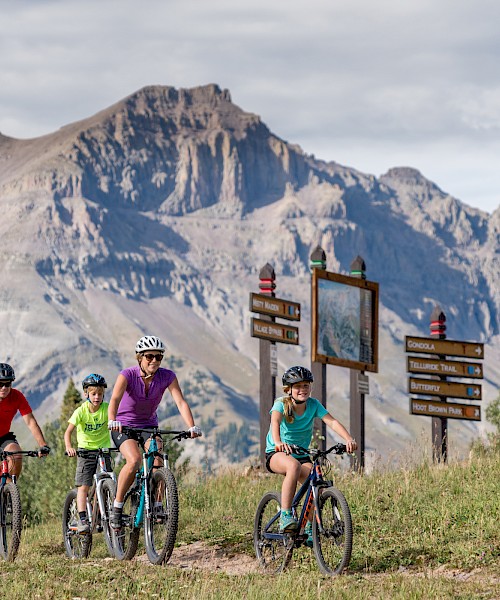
pixel 6 384
pixel 151 357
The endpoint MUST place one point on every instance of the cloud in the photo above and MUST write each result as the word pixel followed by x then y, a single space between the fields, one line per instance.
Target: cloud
pixel 393 79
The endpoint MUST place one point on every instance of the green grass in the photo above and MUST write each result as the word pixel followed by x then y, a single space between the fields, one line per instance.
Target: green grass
pixel 422 532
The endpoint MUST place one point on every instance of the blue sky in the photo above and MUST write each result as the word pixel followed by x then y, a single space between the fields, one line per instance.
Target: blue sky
pixel 371 85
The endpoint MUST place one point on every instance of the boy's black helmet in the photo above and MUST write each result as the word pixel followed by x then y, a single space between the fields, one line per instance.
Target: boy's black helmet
pixel 94 379
pixel 296 375
pixel 6 372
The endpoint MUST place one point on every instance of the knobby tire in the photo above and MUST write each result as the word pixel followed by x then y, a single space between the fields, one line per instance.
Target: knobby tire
pixel 333 548
pixel 160 530
pixel 273 555
pixel 10 521
pixel 77 545
pixel 108 492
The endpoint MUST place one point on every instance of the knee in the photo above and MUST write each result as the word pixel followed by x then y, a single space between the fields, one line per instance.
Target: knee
pixel 134 463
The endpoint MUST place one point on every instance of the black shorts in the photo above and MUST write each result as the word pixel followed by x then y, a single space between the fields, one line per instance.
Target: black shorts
pixel 87 466
pixel 302 460
pixel 8 438
pixel 139 437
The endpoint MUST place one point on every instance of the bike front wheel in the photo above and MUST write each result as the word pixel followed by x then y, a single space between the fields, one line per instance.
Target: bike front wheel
pixel 108 496
pixel 160 529
pixel 273 550
pixel 333 547
pixel 77 545
pixel 10 521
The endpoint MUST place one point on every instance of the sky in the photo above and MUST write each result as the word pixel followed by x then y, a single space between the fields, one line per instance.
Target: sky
pixel 370 85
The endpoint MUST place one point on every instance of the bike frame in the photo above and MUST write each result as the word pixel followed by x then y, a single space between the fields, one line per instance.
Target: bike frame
pixel 143 476
pixel 310 489
pixel 99 476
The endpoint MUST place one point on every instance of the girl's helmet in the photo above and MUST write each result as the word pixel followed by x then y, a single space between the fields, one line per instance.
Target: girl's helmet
pixel 296 375
pixel 6 372
pixel 149 342
pixel 94 379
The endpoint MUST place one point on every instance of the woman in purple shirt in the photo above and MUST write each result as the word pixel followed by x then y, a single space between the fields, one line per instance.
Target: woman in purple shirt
pixel 137 393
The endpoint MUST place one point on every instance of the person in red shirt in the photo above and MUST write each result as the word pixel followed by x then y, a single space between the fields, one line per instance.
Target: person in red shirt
pixel 11 401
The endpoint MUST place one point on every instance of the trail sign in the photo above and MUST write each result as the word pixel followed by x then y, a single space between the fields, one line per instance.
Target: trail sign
pixel 450 368
pixel 421 345
pixel 435 387
pixel 447 410
pixel 275 332
pixel 274 307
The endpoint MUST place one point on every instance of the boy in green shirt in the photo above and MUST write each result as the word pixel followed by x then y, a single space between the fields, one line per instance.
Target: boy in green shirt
pixel 91 423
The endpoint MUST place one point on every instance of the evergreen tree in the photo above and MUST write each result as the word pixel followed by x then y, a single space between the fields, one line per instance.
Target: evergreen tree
pixel 45 483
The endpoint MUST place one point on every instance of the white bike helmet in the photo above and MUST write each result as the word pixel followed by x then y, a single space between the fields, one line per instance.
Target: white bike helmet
pixel 149 342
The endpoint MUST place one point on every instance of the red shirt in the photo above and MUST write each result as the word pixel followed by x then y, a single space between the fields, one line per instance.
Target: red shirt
pixel 15 401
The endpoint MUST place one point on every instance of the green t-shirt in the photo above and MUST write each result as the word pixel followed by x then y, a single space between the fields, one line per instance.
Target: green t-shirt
pixel 91 428
pixel 300 431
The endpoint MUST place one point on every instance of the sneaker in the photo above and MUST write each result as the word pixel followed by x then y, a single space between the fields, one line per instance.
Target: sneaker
pixel 83 526
pixel 288 522
pixel 116 518
pixel 308 530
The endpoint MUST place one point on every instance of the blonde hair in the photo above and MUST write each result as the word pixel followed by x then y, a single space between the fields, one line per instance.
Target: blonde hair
pixel 288 404
pixel 94 388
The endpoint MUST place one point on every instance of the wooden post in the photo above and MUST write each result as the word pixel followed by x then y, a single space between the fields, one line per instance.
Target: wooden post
pixel 267 380
pixel 439 424
pixel 318 261
pixel 358 389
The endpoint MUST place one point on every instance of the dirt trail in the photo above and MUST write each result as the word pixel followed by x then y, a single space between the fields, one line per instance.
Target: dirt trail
pixel 204 557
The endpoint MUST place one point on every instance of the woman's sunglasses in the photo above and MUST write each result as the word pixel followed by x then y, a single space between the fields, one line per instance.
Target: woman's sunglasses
pixel 5 384
pixel 151 357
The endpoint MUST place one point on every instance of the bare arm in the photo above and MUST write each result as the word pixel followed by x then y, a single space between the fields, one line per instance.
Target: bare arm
pixel 116 396
pixel 183 407
pixel 339 429
pixel 36 432
pixel 67 440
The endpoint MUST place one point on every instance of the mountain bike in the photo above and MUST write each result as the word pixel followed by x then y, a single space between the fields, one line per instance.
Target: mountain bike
pixel 331 527
pixel 99 504
pixel 11 522
pixel 152 500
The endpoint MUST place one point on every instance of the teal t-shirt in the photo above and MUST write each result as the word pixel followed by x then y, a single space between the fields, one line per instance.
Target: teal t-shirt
pixel 300 431
pixel 92 430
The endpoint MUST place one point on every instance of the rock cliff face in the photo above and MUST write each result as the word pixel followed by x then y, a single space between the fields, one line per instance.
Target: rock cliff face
pixel 157 214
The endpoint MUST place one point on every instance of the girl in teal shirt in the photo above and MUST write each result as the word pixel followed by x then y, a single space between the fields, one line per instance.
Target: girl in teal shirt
pixel 292 421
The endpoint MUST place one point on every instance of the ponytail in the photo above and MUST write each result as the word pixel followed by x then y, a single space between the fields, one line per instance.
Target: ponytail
pixel 288 405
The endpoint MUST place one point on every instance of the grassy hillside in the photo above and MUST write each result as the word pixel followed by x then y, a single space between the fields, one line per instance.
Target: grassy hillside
pixel 421 532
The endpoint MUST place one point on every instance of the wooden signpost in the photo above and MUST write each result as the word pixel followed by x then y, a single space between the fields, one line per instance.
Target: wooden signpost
pixel 269 332
pixel 440 369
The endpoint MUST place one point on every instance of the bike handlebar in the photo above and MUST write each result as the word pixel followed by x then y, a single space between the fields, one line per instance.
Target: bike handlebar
pixel 98 452
pixel 33 453
pixel 177 435
pixel 315 452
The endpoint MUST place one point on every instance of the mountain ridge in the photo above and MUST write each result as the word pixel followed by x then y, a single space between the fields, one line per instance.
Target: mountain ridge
pixel 170 201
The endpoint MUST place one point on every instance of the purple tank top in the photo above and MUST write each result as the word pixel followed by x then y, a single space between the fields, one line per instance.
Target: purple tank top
pixel 136 409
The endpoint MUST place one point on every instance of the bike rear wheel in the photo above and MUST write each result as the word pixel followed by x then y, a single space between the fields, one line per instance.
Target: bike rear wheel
pixel 333 548
pixel 10 521
pixel 108 495
pixel 273 550
pixel 126 539
pixel 160 529
pixel 77 545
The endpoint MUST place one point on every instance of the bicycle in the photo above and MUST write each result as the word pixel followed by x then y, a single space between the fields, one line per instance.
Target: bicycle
pixel 152 500
pixel 331 527
pixel 99 504
pixel 11 522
